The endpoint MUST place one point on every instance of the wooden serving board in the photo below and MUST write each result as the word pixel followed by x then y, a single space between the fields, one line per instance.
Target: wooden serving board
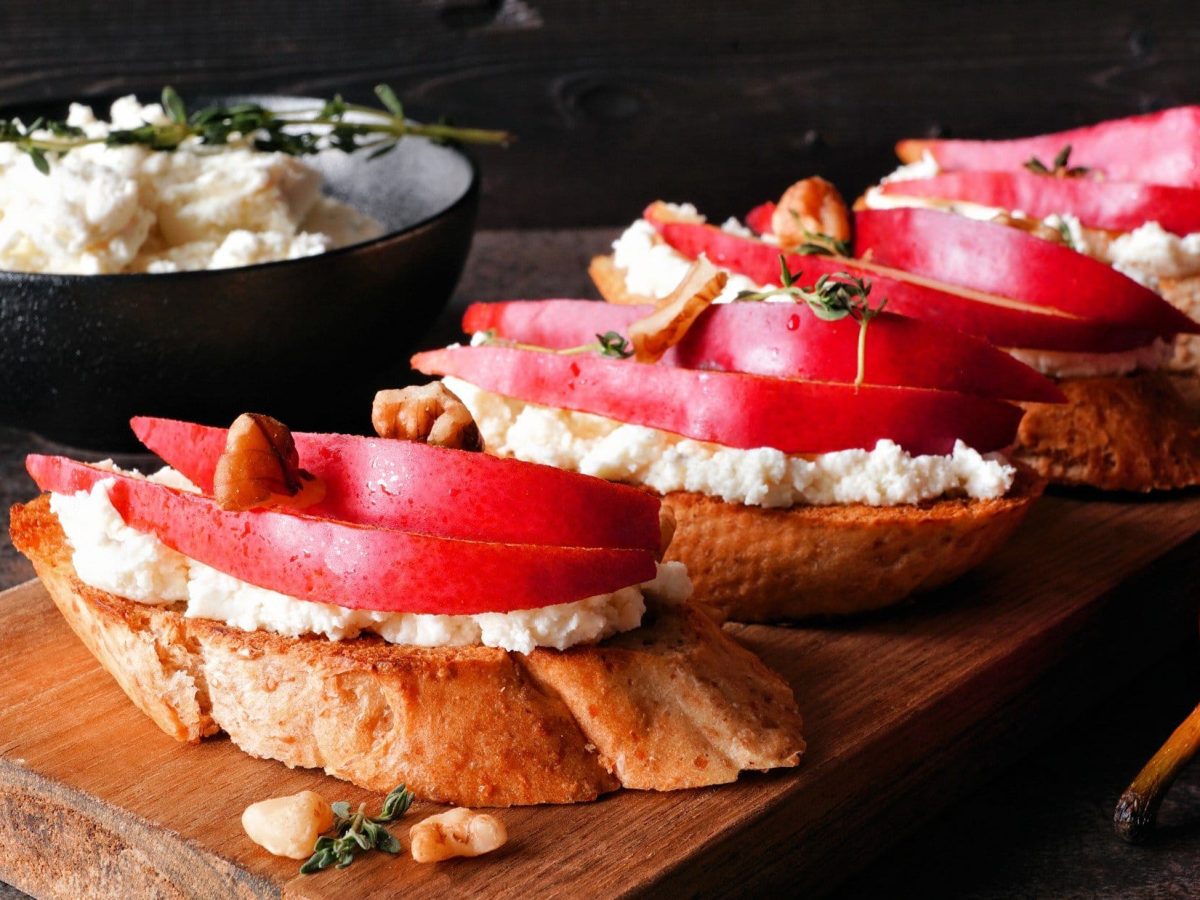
pixel 904 710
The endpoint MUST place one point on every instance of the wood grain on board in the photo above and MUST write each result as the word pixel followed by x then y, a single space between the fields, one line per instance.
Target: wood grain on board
pixel 618 103
pixel 904 711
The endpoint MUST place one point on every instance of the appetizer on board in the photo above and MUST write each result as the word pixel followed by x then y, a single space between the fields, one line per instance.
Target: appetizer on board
pixel 819 456
pixel 1126 192
pixel 486 631
pixel 1100 334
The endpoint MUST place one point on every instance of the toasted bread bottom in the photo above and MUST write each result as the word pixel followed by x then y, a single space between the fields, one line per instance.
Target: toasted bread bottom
pixel 752 564
pixel 1128 433
pixel 610 282
pixel 674 704
pixel 1184 293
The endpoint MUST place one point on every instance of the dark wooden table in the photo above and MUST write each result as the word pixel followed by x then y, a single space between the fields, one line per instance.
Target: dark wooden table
pixel 1042 829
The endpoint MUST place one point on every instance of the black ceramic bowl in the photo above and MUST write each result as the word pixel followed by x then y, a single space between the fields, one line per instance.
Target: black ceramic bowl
pixel 307 341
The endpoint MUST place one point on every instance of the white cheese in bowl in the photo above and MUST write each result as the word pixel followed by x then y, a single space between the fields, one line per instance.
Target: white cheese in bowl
pixel 107 210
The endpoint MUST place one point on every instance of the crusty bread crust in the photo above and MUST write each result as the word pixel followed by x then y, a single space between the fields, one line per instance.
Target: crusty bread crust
pixel 1130 433
pixel 752 564
pixel 1184 293
pixel 674 704
pixel 610 282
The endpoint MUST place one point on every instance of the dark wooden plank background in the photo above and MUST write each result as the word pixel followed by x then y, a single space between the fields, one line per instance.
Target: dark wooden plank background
pixel 617 103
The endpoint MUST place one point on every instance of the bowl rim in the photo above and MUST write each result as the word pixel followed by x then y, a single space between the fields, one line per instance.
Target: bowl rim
pixel 468 194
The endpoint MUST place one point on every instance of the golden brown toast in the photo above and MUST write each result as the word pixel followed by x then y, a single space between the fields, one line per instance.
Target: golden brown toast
pixel 674 704
pixel 752 564
pixel 1184 293
pixel 610 282
pixel 1128 433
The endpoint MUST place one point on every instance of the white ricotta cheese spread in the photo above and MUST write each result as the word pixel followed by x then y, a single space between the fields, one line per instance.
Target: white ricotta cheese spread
pixel 111 556
pixel 104 210
pixel 1149 253
pixel 1065 364
pixel 594 445
pixel 653 268
pixel 925 167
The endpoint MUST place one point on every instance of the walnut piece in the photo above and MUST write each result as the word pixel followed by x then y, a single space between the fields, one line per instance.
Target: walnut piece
pixel 658 332
pixel 456 832
pixel 260 468
pixel 288 826
pixel 1036 227
pixel 810 207
pixel 428 413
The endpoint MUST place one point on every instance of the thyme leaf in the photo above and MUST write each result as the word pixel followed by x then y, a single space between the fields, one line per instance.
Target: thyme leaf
pixel 819 244
pixel 1060 168
pixel 299 132
pixel 832 298
pixel 355 832
pixel 611 344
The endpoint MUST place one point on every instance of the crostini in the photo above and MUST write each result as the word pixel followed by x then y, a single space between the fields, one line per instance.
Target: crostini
pixel 1103 336
pixel 486 631
pixel 812 467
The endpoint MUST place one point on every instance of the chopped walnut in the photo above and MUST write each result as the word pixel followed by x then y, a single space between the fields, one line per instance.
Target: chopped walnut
pixel 456 832
pixel 427 413
pixel 658 332
pixel 1036 227
pixel 810 207
pixel 666 530
pixel 260 468
pixel 288 826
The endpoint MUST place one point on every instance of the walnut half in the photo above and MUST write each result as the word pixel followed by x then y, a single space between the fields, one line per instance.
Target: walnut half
pixel 427 413
pixel 260 467
pixel 662 329
pixel 456 832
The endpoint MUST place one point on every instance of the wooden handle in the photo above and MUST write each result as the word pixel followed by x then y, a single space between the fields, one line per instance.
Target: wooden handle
pixel 1137 809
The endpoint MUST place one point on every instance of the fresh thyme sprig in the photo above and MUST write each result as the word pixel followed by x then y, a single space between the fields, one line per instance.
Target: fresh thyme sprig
pixel 1061 167
pixel 818 244
pixel 335 124
pixel 357 831
pixel 1065 230
pixel 833 297
pixel 610 344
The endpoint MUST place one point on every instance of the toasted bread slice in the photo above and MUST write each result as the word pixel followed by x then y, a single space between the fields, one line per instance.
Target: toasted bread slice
pixel 610 282
pixel 752 564
pixel 1129 433
pixel 1185 294
pixel 675 704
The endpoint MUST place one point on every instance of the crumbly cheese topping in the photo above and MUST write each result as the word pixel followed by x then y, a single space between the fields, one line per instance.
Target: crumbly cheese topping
pixel 104 210
pixel 594 445
pixel 925 167
pixel 1067 364
pixel 653 268
pixel 1150 252
pixel 111 556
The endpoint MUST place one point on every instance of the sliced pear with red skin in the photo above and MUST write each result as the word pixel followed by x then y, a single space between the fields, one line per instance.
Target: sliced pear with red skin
pixel 732 408
pixel 1009 262
pixel 786 340
pixel 998 320
pixel 412 486
pixel 1097 203
pixel 759 218
pixel 354 566
pixel 1159 148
